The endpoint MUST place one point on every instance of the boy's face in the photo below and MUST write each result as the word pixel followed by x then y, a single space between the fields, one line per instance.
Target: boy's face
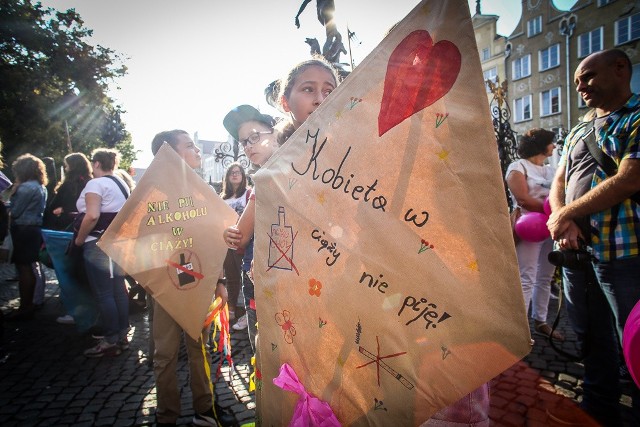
pixel 266 144
pixel 188 151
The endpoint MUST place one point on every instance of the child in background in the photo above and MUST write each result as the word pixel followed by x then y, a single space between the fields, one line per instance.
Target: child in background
pixel 167 333
pixel 235 192
pixel 256 133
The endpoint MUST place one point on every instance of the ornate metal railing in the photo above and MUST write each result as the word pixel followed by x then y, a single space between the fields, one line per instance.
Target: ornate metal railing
pixel 505 136
pixel 228 152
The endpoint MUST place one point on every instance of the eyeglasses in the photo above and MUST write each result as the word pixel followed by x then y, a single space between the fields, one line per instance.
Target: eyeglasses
pixel 254 138
pixel 234 173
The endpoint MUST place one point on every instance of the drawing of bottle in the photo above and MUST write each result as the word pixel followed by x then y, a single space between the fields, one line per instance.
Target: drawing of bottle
pixel 185 278
pixel 281 244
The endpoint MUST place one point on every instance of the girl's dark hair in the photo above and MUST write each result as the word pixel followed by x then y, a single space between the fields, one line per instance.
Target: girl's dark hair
pixel 107 157
pixel 168 136
pixel 227 188
pixel 534 142
pixel 286 83
pixel 28 167
pixel 78 172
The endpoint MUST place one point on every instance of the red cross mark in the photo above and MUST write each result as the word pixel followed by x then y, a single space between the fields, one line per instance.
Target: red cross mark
pixel 283 253
pixel 185 270
pixel 377 359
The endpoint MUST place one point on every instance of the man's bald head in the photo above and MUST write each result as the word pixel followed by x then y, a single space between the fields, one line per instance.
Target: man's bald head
pixel 603 80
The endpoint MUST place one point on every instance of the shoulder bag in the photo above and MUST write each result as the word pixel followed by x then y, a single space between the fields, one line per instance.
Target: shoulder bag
pixel 516 213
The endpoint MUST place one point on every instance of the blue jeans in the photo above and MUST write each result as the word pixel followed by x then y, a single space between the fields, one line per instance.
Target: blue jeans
pixel 107 283
pixel 598 314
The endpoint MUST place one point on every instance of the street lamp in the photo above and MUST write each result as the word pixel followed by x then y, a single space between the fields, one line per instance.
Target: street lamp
pixel 567 26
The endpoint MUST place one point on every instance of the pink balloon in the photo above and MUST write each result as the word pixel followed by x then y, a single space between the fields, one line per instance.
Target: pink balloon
pixel 546 206
pixel 532 227
pixel 631 343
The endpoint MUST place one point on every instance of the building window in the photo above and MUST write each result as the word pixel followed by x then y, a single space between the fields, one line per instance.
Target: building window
pixel 550 102
pixel 549 57
pixel 635 79
pixel 589 42
pixel 491 75
pixel 486 55
pixel 581 103
pixel 628 29
pixel 604 2
pixel 522 67
pixel 534 26
pixel 522 108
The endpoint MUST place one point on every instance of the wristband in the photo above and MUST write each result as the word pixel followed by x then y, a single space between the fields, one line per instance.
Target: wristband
pixel 222 282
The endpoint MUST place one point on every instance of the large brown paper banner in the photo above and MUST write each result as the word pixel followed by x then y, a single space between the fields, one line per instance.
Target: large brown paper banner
pixel 168 236
pixel 385 268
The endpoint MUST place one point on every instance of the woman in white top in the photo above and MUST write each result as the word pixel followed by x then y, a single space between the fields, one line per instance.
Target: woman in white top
pixel 529 181
pixel 100 201
pixel 235 192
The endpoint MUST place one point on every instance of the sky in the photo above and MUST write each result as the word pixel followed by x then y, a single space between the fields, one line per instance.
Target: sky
pixel 191 61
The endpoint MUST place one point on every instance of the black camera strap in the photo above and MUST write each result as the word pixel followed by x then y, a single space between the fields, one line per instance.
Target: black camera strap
pixel 605 162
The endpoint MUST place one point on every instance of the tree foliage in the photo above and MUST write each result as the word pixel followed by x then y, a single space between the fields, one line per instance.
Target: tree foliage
pixel 53 95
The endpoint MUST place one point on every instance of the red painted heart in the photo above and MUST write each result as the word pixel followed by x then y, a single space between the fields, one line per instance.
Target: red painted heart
pixel 418 74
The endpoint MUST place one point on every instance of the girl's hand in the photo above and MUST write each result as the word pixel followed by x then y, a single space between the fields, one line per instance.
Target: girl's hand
pixel 221 291
pixel 57 211
pixel 232 236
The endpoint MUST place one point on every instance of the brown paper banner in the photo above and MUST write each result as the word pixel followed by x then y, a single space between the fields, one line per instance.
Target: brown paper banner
pixel 385 269
pixel 168 236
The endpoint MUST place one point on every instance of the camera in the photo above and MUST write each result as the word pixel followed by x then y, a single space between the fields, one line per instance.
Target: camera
pixel 573 259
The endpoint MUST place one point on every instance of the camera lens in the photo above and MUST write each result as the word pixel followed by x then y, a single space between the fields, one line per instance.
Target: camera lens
pixel 556 258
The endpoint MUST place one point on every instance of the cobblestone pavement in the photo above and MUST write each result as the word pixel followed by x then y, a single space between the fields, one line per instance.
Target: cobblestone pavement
pixel 46 381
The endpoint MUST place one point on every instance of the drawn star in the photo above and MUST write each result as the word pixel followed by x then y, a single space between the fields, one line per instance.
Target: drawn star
pixel 473 265
pixel 443 154
pixel 268 293
pixel 321 198
pixel 341 362
pixel 338 114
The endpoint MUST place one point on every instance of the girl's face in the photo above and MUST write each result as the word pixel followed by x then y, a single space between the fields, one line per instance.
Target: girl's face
pixel 186 149
pixel 235 176
pixel 310 88
pixel 266 143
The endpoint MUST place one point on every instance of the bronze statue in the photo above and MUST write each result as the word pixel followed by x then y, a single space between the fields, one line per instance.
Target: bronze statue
pixel 333 46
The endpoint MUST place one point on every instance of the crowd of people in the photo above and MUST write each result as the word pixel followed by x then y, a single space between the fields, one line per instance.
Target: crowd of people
pixel 589 208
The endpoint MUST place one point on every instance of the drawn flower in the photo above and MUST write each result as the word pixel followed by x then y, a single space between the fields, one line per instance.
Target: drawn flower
pixel 314 287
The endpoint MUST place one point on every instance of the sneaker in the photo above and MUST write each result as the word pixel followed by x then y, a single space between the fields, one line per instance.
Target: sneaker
pixel 241 324
pixel 67 319
pixel 96 332
pixel 123 343
pixel 103 348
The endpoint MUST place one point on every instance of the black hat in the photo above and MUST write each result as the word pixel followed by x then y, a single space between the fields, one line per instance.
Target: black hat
pixel 242 114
